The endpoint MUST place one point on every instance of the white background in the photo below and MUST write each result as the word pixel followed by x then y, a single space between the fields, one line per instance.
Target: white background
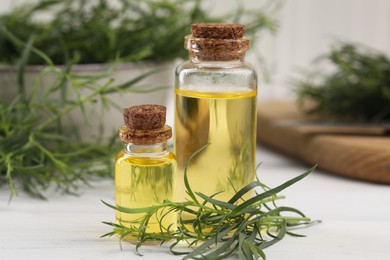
pixel 307 29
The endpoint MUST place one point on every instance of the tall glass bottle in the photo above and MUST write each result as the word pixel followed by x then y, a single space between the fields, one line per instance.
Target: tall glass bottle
pixel 215 104
pixel 145 171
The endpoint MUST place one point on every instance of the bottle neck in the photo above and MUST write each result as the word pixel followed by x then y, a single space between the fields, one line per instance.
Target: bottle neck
pixel 197 57
pixel 206 49
pixel 146 149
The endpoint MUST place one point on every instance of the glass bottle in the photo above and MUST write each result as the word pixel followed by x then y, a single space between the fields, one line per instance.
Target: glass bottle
pixel 215 104
pixel 145 171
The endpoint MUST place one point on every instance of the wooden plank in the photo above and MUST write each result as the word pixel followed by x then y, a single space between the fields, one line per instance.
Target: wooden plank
pixel 364 157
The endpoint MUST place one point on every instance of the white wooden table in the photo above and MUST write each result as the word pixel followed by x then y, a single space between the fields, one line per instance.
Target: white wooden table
pixel 355 215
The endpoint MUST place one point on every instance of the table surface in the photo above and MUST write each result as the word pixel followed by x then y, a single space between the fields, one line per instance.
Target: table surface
pixel 355 220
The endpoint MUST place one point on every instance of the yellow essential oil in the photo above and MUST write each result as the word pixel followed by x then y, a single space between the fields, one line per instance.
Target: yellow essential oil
pixel 225 121
pixel 145 172
pixel 142 182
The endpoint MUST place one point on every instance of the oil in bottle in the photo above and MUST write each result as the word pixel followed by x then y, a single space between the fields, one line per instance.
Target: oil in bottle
pixel 215 105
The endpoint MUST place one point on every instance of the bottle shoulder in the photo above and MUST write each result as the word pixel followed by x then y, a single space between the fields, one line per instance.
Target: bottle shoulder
pixel 216 76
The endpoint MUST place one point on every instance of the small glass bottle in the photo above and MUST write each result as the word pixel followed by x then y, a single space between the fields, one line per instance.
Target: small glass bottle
pixel 145 171
pixel 215 104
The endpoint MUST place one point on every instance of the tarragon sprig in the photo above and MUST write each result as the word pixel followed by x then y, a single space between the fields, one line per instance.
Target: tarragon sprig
pixel 218 229
pixel 358 89
pixel 39 144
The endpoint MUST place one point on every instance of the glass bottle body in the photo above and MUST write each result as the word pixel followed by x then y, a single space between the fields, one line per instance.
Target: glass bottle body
pixel 144 176
pixel 215 104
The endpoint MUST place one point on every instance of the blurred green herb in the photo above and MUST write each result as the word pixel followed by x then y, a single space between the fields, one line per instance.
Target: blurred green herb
pixel 358 89
pixel 125 30
pixel 218 229
pixel 38 146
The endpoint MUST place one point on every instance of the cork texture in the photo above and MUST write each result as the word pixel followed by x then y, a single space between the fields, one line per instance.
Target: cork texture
pixel 216 49
pixel 218 31
pixel 145 124
pixel 142 137
pixel 217 42
pixel 145 117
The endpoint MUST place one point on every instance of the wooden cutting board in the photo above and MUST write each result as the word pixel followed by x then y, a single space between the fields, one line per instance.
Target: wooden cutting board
pixel 364 157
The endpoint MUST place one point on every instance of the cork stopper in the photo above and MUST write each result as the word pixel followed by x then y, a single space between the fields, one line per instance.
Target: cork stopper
pixel 217 30
pixel 145 117
pixel 217 42
pixel 145 124
pixel 142 137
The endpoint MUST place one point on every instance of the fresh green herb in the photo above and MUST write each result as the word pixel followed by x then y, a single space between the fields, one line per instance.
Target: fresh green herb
pixel 38 147
pixel 218 229
pixel 358 89
pixel 125 30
